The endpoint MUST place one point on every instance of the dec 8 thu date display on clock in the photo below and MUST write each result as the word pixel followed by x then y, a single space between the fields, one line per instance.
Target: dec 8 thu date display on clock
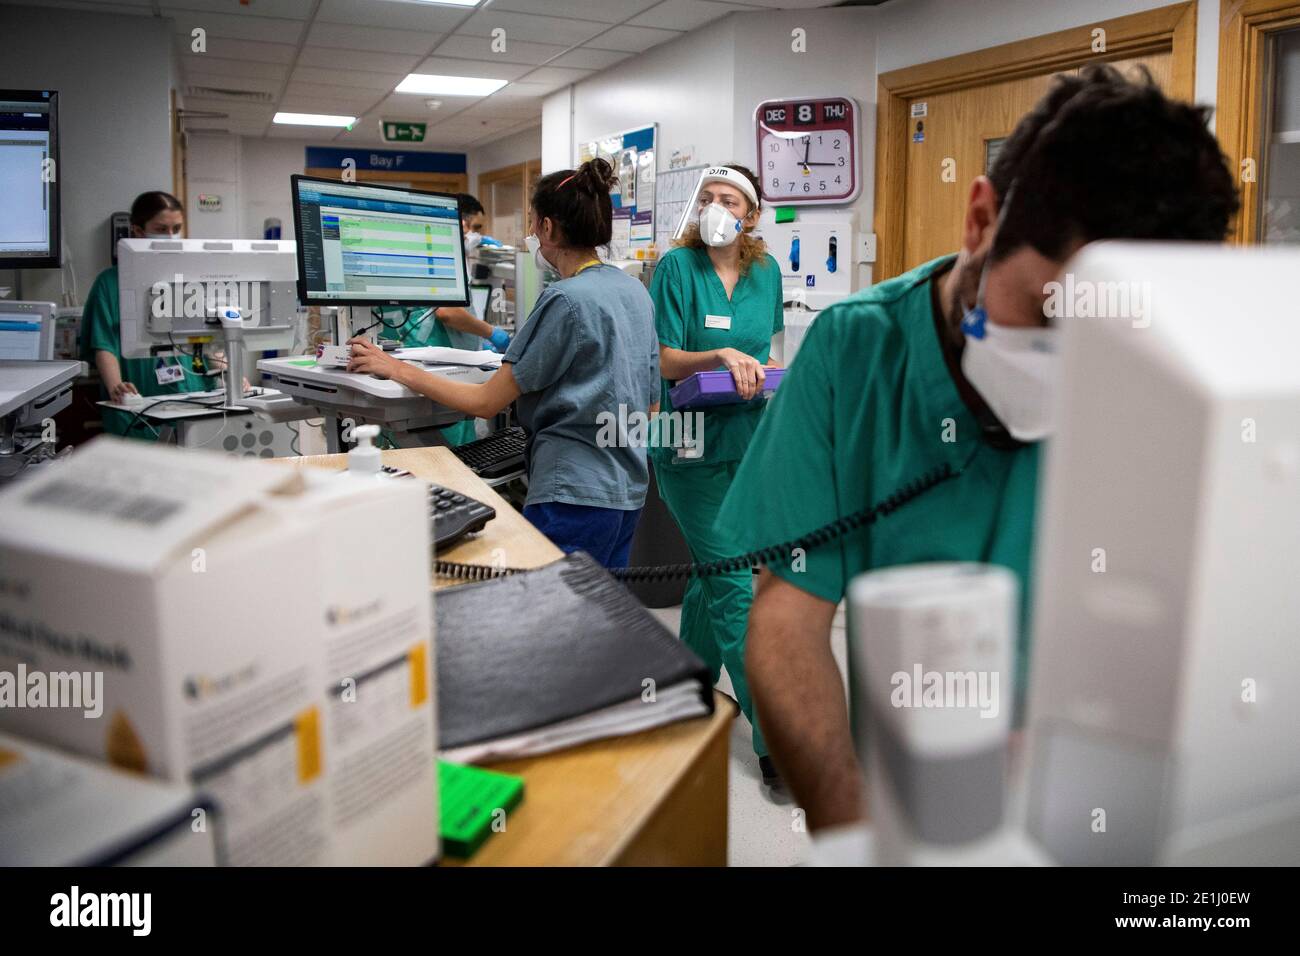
pixel 807 150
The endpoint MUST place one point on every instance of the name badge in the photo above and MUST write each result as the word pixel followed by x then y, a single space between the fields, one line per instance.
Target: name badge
pixel 717 322
pixel 167 374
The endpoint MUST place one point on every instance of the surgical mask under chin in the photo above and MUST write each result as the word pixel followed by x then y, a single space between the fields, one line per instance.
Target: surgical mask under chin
pixel 472 240
pixel 1015 370
pixel 718 227
pixel 535 247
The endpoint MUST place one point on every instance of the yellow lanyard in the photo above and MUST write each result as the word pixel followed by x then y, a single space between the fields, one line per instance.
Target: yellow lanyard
pixel 585 265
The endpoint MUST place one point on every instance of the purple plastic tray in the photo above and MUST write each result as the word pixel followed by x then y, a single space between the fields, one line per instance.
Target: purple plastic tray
pixel 717 388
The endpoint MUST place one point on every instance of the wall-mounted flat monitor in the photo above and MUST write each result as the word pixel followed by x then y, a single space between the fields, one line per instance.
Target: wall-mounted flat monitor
pixel 29 170
pixel 363 244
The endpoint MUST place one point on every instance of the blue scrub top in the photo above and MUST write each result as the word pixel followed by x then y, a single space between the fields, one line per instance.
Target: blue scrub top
pixel 587 356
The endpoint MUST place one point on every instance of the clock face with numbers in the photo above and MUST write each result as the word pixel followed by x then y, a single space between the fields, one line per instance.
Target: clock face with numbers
pixel 807 150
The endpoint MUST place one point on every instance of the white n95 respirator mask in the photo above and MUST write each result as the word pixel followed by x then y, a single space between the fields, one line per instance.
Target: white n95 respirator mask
pixel 718 227
pixel 535 247
pixel 1015 370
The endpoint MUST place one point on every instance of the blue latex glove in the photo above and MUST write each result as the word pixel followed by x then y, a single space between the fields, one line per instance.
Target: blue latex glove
pixel 500 340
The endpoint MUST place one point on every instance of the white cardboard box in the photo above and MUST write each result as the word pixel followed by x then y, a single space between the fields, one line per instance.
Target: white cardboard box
pixel 60 810
pixel 263 633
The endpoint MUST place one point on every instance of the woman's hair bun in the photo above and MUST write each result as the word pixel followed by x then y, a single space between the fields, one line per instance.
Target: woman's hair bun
pixel 598 175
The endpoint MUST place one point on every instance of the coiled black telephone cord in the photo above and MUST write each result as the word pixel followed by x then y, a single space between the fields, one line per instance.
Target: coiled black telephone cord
pixel 815 539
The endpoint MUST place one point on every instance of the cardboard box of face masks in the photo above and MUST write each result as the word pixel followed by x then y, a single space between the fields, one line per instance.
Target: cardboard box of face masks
pixel 263 633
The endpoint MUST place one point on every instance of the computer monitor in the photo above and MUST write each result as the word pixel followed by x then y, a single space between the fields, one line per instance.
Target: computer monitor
pixel 27 330
pixel 171 290
pixel 1164 691
pixel 29 201
pixel 363 244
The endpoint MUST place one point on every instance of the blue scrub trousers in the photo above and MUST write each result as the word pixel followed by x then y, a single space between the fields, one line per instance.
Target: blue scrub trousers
pixel 604 533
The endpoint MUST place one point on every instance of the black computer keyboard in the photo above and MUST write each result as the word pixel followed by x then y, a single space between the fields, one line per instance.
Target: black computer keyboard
pixel 452 514
pixel 455 515
pixel 499 454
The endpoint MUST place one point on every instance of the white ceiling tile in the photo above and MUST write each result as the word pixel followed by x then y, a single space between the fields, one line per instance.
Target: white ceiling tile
pixel 266 29
pixel 684 14
pixel 585 58
pixel 229 49
pixel 232 82
pixel 632 39
pixel 522 26
pixel 235 111
pixel 315 133
pixel 320 100
pixel 383 82
pixel 522 89
pixel 203 63
pixel 136 7
pixel 793 4
pixel 606 11
pixel 553 76
pixel 288 9
pixel 352 99
pixel 515 110
pixel 330 58
pixel 413 107
pixel 347 37
pixel 481 48
pixel 424 17
pixel 488 69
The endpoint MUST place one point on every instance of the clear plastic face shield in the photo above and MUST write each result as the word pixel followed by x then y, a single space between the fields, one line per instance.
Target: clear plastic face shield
pixel 719 213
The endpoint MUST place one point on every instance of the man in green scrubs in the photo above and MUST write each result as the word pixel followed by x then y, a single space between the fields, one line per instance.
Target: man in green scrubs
pixel 449 327
pixel 698 322
pixel 881 394
pixel 417 328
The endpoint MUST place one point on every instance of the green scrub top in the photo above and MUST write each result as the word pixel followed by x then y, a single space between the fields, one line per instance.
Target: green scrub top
pixel 868 406
pixel 686 290
pixel 101 331
pixel 421 333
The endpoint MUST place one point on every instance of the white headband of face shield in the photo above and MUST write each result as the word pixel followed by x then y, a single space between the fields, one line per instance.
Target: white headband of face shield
pixel 715 174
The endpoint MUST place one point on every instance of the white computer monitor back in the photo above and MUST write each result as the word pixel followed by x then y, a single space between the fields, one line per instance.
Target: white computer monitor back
pixel 1165 682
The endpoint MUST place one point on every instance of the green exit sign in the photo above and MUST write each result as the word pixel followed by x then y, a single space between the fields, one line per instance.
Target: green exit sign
pixel 403 132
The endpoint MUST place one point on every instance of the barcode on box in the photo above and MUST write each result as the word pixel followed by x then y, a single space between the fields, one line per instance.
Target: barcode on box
pixel 74 496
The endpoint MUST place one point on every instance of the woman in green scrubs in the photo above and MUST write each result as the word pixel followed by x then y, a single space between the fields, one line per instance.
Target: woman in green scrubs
pixel 717 299
pixel 154 215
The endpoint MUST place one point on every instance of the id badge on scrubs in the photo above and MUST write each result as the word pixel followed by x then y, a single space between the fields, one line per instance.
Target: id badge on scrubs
pixel 166 374
pixel 717 322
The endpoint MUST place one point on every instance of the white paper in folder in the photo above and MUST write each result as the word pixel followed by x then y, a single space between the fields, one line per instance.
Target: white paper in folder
pixel 442 355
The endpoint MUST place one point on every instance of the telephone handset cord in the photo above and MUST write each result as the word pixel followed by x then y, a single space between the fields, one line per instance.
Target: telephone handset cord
pixel 763 556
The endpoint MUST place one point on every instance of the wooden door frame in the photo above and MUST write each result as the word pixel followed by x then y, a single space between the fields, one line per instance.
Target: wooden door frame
pixel 1244 35
pixel 1169 29
pixel 525 172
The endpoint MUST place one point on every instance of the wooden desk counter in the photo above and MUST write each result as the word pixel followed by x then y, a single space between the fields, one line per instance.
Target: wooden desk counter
pixel 657 798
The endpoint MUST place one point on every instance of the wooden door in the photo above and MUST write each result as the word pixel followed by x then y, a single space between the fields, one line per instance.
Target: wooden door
pixel 959 136
pixel 971 102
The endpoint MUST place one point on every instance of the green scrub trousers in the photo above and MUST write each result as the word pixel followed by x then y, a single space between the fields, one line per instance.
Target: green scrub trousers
pixel 715 610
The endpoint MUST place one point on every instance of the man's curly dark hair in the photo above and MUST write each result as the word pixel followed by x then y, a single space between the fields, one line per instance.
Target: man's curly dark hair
pixel 1106 157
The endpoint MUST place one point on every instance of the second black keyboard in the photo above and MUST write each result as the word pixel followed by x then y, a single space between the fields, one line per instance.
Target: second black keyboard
pixel 501 453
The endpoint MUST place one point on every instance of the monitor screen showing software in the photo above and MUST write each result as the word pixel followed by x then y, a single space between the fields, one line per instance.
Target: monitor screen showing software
pixel 29 201
pixel 362 244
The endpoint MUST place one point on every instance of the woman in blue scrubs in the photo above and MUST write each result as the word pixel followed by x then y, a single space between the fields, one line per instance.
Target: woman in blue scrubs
pixel 587 353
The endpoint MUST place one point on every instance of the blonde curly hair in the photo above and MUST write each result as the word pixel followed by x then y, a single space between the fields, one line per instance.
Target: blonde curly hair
pixel 752 249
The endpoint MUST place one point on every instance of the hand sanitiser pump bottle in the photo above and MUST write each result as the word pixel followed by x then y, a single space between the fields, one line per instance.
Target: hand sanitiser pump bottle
pixel 364 458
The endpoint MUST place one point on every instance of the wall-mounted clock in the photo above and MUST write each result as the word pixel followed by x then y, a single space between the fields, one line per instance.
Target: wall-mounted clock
pixel 807 150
